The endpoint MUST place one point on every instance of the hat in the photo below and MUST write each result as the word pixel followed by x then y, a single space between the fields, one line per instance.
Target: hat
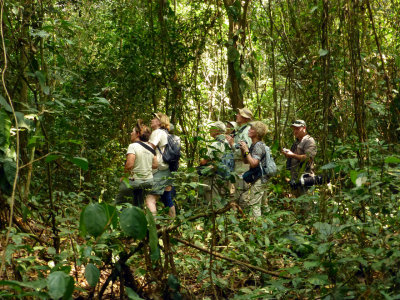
pixel 157 115
pixel 218 125
pixel 299 123
pixel 232 123
pixel 245 113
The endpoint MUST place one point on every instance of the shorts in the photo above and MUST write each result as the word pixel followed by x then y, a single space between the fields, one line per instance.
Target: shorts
pixel 134 192
pixel 162 179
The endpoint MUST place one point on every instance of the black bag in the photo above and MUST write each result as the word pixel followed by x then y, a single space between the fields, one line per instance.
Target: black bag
pixel 252 175
pixel 172 152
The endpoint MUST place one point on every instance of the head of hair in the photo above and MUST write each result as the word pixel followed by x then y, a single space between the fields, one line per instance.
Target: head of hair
pixel 143 131
pixel 260 128
pixel 164 120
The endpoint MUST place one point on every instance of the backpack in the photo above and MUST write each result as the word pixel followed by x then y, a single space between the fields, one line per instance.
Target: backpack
pixel 227 162
pixel 269 169
pixel 172 152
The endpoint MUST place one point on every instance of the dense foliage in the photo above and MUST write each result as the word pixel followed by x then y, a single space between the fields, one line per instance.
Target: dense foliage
pixel 77 74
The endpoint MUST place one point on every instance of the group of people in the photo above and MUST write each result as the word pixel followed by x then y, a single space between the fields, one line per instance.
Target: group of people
pixel 242 139
pixel 149 177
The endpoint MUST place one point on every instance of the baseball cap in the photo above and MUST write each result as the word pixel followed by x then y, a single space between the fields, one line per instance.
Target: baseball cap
pixel 218 125
pixel 299 123
pixel 246 113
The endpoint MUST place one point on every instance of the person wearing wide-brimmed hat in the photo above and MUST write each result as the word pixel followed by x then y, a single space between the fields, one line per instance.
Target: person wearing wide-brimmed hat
pixel 300 157
pixel 243 118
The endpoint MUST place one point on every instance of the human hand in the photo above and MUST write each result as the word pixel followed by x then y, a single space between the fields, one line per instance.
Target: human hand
pixel 287 152
pixel 229 139
pixel 243 146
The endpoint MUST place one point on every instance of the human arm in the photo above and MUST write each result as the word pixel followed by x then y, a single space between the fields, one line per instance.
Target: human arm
pixel 247 157
pixel 230 140
pixel 130 161
pixel 154 164
pixel 290 154
pixel 155 138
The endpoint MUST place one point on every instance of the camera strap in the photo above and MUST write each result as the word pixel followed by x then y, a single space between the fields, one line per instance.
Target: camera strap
pixel 147 147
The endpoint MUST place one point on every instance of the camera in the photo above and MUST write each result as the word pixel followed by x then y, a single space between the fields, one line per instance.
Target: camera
pixel 308 180
pixel 237 146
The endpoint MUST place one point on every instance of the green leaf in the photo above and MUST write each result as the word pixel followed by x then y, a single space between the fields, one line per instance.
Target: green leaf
pixel 323 52
pixel 57 284
pixel 92 274
pixel 102 100
pixel 5 126
pixel 319 279
pixel 133 222
pixel 392 160
pixel 95 219
pixel 324 229
pixel 52 157
pixel 153 237
pixel 111 213
pixel 42 81
pixel 132 294
pixel 70 288
pixel 22 121
pixel 10 169
pixel 353 176
pixel 331 165
pixel 311 264
pixel 4 103
pixel 39 33
pixel 80 162
pixel 173 282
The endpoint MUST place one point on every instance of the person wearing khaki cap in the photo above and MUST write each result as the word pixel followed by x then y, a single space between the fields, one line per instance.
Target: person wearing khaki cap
pixel 243 118
pixel 300 157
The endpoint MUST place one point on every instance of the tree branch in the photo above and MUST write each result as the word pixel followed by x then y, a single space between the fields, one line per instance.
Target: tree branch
pixel 235 261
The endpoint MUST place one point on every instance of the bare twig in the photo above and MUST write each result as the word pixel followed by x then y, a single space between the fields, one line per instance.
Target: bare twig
pixel 40 158
pixel 235 261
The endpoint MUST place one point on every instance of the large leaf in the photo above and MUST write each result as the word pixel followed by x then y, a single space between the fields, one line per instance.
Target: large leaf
pixel 323 52
pixel 92 274
pixel 153 237
pixel 42 81
pixel 133 222
pixel 353 176
pixel 111 212
pixel 328 166
pixel 4 103
pixel 57 283
pixel 22 121
pixel 10 169
pixel 80 162
pixel 52 157
pixel 132 295
pixel 5 126
pixel 392 160
pixel 70 288
pixel 95 219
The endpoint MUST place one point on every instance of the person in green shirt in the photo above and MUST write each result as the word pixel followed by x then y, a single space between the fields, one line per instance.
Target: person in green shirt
pixel 243 118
